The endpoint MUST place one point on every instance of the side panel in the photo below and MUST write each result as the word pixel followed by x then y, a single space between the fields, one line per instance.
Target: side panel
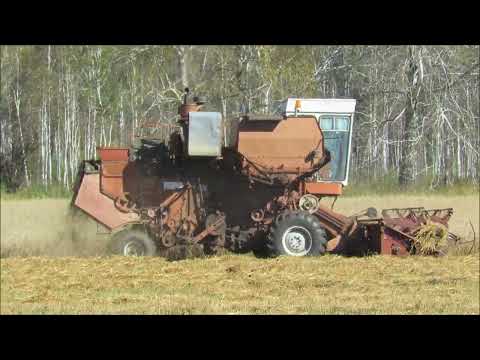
pixel 100 207
pixel 114 161
pixel 394 243
pixel 113 153
pixel 112 179
pixel 204 134
pixel 321 188
pixel 281 145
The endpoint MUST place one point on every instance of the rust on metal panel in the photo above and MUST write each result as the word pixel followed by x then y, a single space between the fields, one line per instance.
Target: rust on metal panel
pixel 113 153
pixel 112 179
pixel 184 109
pixel 113 168
pixel 281 145
pixel 408 220
pixel 175 204
pixel 441 216
pixel 113 164
pixel 112 187
pixel 322 188
pixel 209 230
pixel 395 242
pixel 333 222
pixel 334 244
pixel 93 202
pixel 401 225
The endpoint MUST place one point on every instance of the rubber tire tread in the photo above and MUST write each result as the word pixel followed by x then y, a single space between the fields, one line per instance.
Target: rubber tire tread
pixel 285 220
pixel 122 238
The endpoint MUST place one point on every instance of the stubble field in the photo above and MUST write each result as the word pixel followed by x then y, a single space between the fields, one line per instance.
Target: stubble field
pixel 42 272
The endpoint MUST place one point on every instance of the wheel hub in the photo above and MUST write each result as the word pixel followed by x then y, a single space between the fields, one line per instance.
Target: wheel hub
pixel 297 241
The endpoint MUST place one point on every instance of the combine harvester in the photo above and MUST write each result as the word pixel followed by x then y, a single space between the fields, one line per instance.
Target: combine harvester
pixel 261 194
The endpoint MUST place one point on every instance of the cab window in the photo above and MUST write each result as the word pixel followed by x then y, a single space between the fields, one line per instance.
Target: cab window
pixel 336 132
pixel 326 123
pixel 342 123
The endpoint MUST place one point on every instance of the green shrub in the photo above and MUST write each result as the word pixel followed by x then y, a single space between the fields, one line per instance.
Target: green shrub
pixel 36 192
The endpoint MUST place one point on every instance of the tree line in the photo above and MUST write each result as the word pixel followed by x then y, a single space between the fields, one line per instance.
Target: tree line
pixel 417 113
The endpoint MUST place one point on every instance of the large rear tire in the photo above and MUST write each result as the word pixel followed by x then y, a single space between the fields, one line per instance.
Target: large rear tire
pixel 133 243
pixel 297 233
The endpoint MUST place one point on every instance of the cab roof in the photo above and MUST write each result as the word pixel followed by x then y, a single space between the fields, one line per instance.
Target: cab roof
pixel 333 106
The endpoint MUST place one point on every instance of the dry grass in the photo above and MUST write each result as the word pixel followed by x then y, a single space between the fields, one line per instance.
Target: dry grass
pixel 241 284
pixel 231 284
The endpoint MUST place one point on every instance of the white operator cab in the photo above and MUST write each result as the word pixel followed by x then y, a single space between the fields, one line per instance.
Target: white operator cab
pixel 335 117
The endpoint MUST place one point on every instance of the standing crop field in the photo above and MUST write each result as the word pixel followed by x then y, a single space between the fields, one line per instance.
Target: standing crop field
pixel 42 272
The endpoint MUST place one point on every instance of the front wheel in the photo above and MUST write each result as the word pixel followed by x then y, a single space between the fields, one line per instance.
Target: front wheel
pixel 133 243
pixel 296 234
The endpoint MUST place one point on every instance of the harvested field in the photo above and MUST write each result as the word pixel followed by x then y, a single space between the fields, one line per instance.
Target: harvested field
pixel 241 284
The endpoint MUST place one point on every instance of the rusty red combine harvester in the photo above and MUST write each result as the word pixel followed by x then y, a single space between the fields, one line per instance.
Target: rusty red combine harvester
pixel 261 194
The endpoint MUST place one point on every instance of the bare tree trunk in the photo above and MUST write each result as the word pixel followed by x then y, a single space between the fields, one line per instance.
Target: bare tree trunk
pixel 407 162
pixel 182 53
pixel 339 72
pixel 17 100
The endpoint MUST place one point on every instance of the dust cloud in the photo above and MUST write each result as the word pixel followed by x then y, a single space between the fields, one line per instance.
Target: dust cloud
pixel 48 228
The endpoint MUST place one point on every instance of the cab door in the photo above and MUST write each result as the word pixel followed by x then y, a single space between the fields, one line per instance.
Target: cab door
pixel 336 132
